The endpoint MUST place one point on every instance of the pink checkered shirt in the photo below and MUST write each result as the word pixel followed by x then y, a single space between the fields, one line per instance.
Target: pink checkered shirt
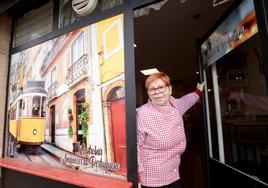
pixel 161 140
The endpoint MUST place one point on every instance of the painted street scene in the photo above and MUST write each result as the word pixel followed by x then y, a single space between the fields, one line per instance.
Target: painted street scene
pixel 67 101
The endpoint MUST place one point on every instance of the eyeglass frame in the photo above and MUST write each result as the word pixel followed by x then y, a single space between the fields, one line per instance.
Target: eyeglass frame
pixel 158 88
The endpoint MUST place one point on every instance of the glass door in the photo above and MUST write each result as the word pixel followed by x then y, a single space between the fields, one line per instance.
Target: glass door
pixel 237 106
pixel 236 93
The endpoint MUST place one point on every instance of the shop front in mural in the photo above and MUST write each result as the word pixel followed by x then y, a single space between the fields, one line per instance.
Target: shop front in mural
pixel 67 101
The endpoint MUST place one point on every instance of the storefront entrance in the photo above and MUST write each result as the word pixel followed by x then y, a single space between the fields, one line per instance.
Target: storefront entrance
pixel 167 38
pixel 226 131
pixel 163 40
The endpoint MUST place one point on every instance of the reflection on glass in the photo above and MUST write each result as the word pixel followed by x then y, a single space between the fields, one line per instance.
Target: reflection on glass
pixel 244 109
pixel 68 16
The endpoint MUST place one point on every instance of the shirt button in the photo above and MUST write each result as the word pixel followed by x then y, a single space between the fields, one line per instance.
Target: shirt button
pixel 179 127
pixel 173 112
pixel 181 142
pixel 175 170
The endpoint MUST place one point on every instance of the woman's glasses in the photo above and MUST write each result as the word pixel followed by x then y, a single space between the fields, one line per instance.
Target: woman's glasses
pixel 160 89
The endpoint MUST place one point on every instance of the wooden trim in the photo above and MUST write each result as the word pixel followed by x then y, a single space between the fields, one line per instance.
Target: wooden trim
pixel 66 176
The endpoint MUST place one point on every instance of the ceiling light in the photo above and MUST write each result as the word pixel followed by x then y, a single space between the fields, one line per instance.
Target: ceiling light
pixel 149 71
pixel 182 1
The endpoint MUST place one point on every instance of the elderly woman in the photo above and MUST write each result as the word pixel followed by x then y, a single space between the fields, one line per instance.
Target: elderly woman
pixel 160 132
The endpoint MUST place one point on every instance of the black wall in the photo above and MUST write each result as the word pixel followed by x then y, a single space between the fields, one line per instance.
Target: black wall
pixel 15 179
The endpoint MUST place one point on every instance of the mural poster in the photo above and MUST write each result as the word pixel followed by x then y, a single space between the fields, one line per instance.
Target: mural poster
pixel 66 105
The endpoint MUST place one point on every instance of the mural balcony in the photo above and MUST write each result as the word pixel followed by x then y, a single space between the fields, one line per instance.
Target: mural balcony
pixel 52 90
pixel 53 51
pixel 77 71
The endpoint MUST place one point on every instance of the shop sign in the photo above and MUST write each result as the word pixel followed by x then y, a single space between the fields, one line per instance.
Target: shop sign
pixel 239 26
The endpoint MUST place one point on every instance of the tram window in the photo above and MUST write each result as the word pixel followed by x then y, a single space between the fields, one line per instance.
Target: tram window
pixel 12 113
pixel 27 110
pixel 35 111
pixel 20 103
pixel 36 106
pixel 43 112
pixel 23 105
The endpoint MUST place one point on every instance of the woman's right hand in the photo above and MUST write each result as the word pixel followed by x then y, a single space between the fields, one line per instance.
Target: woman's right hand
pixel 200 86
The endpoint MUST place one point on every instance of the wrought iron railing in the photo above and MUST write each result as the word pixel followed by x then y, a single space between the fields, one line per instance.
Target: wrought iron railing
pixel 52 90
pixel 77 70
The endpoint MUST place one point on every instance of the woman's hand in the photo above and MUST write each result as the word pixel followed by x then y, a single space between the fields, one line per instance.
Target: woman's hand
pixel 200 86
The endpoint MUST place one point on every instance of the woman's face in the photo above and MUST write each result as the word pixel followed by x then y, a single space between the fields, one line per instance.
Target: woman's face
pixel 159 92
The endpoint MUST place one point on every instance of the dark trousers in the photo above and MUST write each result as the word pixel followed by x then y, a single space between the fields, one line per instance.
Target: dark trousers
pixel 175 184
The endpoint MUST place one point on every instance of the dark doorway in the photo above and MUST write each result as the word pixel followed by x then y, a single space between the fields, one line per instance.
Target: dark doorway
pixel 165 35
pixel 79 100
pixel 52 115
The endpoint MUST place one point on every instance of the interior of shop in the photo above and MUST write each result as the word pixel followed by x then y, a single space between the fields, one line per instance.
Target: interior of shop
pixel 243 105
pixel 165 38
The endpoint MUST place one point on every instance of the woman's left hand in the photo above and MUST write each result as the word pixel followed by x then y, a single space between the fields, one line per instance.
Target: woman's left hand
pixel 200 86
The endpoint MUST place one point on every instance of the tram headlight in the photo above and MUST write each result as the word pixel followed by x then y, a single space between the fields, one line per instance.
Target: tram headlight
pixel 34 132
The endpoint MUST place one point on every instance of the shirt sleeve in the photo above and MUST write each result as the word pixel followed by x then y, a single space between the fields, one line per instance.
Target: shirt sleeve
pixel 187 101
pixel 140 139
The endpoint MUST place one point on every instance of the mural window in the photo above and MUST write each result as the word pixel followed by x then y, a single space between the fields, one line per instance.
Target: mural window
pixel 53 75
pixel 78 48
pixel 113 39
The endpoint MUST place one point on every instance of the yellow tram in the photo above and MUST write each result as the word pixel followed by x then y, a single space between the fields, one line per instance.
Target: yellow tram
pixel 27 115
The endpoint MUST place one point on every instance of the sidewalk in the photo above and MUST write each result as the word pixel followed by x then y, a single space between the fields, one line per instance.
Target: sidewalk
pixel 55 151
